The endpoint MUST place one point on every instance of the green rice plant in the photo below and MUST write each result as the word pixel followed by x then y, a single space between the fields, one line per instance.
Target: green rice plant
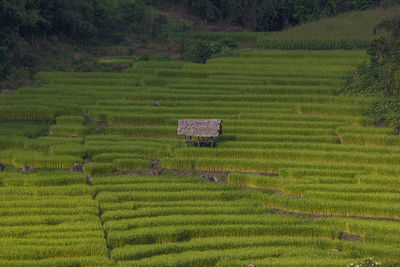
pixel 23 112
pixel 114 197
pixel 102 261
pixel 48 211
pixel 344 119
pixel 43 143
pixel 95 169
pixel 40 252
pixel 149 65
pixel 129 119
pixel 288 57
pixel 132 164
pixel 383 198
pixel 63 230
pixel 178 163
pixel 290 256
pixel 140 150
pixel 160 211
pixel 48 202
pixel 302 172
pixel 163 187
pixel 321 147
pixel 369 139
pixel 35 159
pixel 329 109
pixel 148 131
pixel 176 234
pixel 39 180
pixel 278 131
pixel 46 242
pixel 279 138
pixel 299 260
pixel 26 193
pixel 26 128
pixel 70 120
pixel 269 89
pixel 68 130
pixel 351 103
pixel 112 139
pixel 313 44
pixel 333 207
pixel 391 181
pixel 138 252
pixel 12 142
pixel 281 124
pixel 142 179
pixel 110 157
pixel 288 154
pixel 274 166
pixel 365 130
pixel 124 225
pixel 130 205
pixel 182 74
pixel 67 149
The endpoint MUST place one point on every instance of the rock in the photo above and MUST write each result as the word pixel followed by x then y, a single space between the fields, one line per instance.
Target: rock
pixel 1 167
pixel 77 168
pixel 155 168
pixel 380 122
pixel 251 265
pixel 350 237
pixel 210 178
pixel 89 180
pixel 139 84
pixel 76 56
pixel 335 250
pixel 26 168
pixel 397 128
pixel 156 104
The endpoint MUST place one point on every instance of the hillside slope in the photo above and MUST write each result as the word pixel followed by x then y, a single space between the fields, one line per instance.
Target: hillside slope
pixel 327 180
pixel 356 24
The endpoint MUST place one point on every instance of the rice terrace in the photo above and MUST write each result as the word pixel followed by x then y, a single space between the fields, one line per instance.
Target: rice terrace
pixel 269 154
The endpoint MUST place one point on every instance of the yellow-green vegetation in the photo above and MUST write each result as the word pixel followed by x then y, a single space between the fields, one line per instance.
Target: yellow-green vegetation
pixel 350 30
pixel 327 181
pixel 355 24
pixel 49 219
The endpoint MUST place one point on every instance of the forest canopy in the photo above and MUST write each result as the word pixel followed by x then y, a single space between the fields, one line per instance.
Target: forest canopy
pixel 24 23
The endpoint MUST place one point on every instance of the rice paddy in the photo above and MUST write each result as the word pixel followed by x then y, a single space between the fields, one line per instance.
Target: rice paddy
pixel 306 180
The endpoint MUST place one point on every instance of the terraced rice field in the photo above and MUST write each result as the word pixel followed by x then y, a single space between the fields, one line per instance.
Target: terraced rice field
pixel 308 180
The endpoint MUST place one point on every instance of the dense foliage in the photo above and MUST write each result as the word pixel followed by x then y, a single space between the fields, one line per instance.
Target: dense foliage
pixel 25 24
pixel 381 76
pixel 273 15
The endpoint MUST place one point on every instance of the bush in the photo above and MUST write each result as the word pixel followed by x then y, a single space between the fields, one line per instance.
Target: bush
pixel 199 52
pixel 5 63
pixel 228 43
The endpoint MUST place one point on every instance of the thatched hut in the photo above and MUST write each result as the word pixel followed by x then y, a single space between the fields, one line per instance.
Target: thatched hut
pixel 206 131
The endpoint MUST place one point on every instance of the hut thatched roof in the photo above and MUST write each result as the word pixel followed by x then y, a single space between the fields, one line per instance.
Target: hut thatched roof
pixel 200 128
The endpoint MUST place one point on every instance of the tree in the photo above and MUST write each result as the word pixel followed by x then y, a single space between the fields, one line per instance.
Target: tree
pixel 385 54
pixel 5 63
pixel 199 52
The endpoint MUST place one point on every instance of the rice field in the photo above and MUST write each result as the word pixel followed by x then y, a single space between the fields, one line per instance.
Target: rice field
pixel 305 178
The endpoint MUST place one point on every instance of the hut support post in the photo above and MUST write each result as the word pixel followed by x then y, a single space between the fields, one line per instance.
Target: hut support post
pixel 185 141
pixel 198 141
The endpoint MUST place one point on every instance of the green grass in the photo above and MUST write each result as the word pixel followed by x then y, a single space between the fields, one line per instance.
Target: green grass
pixel 353 25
